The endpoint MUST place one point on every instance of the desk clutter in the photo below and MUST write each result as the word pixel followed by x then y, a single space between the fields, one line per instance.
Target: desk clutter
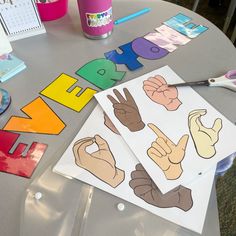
pixel 20 19
pixel 10 66
pixel 144 142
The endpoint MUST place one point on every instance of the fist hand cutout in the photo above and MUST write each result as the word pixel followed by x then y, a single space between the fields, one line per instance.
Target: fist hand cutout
pixel 159 92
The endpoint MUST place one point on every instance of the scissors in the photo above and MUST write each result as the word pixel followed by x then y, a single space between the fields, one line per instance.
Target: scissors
pixel 227 81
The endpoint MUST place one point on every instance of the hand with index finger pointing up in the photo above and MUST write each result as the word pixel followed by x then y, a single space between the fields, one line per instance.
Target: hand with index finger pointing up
pixel 126 110
pixel 166 154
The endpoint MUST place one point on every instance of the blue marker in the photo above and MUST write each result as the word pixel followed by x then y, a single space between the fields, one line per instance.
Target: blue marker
pixel 132 16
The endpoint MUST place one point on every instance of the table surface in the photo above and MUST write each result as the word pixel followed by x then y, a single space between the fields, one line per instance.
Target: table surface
pixel 69 207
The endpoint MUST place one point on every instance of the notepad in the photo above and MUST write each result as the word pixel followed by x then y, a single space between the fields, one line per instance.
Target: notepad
pixel 20 19
pixel 5 46
pixel 10 66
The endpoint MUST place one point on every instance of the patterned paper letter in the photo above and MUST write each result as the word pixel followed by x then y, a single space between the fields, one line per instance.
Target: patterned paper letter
pixel 180 24
pixel 15 162
pixel 128 57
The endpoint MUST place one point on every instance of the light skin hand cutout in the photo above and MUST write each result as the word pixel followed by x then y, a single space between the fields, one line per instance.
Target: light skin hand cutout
pixel 126 110
pixel 147 190
pixel 100 163
pixel 108 123
pixel 204 138
pixel 166 154
pixel 158 91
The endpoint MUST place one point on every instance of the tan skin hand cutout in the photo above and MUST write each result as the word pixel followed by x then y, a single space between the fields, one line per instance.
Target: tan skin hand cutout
pixel 158 91
pixel 108 123
pixel 166 154
pixel 126 110
pixel 204 138
pixel 146 189
pixel 100 163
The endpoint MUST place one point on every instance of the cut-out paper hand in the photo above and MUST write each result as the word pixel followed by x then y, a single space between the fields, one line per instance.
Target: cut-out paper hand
pixel 146 189
pixel 126 110
pixel 204 138
pixel 166 154
pixel 158 91
pixel 108 123
pixel 100 163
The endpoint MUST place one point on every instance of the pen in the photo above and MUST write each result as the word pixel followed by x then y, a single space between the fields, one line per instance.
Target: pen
pixel 132 16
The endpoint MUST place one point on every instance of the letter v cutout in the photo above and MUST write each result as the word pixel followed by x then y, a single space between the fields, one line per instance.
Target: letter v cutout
pixel 41 119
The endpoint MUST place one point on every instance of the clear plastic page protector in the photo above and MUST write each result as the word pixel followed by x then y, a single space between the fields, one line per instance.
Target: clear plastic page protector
pixel 103 218
pixel 68 207
pixel 51 205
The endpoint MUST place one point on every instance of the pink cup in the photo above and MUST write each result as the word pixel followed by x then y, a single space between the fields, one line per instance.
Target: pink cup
pixel 52 10
pixel 96 18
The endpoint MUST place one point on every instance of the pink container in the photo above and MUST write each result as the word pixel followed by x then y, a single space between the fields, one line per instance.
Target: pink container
pixel 96 18
pixel 52 10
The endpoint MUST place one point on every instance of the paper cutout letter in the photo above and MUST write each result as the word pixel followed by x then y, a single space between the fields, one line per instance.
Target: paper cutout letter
pixel 166 154
pixel 179 23
pixel 146 189
pixel 204 138
pixel 101 72
pixel 167 38
pixel 126 110
pixel 108 123
pixel 147 49
pixel 41 119
pixel 159 92
pixel 58 92
pixel 175 37
pixel 16 162
pixel 100 163
pixel 128 57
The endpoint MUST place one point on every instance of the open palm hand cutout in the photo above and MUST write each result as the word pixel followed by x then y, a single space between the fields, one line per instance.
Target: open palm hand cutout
pixel 159 92
pixel 167 155
pixel 100 163
pixel 146 189
pixel 204 138
pixel 126 110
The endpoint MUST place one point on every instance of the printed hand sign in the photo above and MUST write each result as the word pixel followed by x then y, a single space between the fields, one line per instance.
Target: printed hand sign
pixel 146 189
pixel 108 123
pixel 204 138
pixel 100 163
pixel 166 154
pixel 158 91
pixel 126 110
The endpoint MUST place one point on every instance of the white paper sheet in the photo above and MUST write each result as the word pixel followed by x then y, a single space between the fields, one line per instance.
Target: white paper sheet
pixel 192 219
pixel 174 125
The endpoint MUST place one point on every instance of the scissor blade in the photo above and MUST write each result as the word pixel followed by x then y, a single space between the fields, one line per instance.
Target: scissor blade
pixel 196 83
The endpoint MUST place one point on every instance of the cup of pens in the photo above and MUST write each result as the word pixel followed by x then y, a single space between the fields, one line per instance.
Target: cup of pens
pixel 52 9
